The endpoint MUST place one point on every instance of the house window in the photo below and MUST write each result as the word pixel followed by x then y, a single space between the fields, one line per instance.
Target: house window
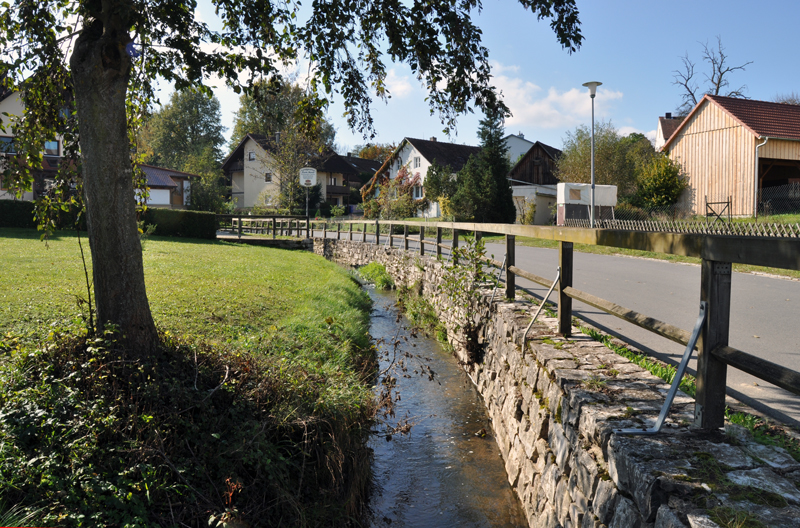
pixel 332 181
pixel 268 177
pixel 417 162
pixel 7 145
pixel 418 192
pixel 251 156
pixel 51 148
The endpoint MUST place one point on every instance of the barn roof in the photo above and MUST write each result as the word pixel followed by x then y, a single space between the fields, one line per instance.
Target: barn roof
pixel 161 177
pixel 761 118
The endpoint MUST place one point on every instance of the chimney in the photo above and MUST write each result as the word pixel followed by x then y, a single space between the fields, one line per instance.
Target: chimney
pixel 433 139
pixel 668 115
pixel 521 135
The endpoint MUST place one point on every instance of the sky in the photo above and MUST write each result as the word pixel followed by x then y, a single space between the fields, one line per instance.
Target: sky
pixel 632 46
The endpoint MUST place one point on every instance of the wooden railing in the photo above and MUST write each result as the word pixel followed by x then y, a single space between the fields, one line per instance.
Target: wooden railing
pixel 275 225
pixel 717 253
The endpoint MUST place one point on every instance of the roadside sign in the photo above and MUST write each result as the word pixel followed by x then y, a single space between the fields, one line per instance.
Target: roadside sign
pixel 308 177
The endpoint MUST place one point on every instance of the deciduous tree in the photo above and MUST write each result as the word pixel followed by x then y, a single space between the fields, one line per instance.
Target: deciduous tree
pixel 92 63
pixel 717 79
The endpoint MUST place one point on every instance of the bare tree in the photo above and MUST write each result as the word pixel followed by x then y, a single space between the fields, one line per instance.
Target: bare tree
pixel 792 98
pixel 716 81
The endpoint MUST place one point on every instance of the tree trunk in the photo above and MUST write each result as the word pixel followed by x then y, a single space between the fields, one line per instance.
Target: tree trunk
pixel 100 73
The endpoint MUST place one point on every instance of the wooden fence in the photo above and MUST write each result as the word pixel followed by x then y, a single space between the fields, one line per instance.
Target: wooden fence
pixel 717 254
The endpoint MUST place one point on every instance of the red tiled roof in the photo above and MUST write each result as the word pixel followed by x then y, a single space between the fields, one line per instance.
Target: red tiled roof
pixel 763 118
pixel 669 126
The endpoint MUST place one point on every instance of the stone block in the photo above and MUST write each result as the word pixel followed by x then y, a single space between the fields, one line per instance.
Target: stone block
pixel 701 521
pixel 550 478
pixel 766 479
pixel 774 456
pixel 666 518
pixel 576 514
pixel 514 463
pixel 562 501
pixel 626 515
pixel 560 446
pixel 605 501
pixel 587 472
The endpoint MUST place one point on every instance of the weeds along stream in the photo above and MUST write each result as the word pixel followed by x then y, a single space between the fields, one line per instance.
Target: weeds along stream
pixel 441 465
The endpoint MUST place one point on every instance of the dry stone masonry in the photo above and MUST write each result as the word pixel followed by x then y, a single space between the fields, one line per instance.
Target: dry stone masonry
pixel 554 406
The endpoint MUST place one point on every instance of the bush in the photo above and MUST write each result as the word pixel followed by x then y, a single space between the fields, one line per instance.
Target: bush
pixel 181 223
pixel 377 275
pixel 15 213
pixel 337 210
pixel 627 211
pixel 660 183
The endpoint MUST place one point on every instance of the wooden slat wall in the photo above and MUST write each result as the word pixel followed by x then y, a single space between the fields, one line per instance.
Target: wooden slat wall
pixel 780 149
pixel 717 154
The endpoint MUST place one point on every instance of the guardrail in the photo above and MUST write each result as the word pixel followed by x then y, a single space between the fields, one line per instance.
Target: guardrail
pixel 717 254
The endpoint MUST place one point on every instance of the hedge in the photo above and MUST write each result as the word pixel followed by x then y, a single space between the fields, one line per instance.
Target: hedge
pixel 181 223
pixel 16 213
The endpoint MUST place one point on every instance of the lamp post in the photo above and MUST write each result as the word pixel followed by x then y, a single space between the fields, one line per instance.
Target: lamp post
pixel 592 86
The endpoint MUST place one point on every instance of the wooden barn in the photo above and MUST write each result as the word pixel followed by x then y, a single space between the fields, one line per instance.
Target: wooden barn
pixel 737 149
pixel 537 166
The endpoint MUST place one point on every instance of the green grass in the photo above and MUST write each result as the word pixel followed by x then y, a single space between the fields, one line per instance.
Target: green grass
pixel 376 273
pixel 255 408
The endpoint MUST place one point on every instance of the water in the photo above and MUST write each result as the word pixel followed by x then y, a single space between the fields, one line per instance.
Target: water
pixel 440 474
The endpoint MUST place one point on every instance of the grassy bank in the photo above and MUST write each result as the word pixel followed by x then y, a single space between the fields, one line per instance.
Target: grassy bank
pixel 254 411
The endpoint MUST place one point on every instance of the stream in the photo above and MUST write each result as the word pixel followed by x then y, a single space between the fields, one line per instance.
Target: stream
pixel 439 474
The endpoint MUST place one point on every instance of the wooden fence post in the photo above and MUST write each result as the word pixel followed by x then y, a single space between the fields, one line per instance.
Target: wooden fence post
pixel 715 289
pixel 240 227
pixel 377 233
pixel 364 233
pixel 564 301
pixel 438 242
pixel 422 240
pixel 405 237
pixel 454 245
pixel 274 234
pixel 510 277
pixel 325 230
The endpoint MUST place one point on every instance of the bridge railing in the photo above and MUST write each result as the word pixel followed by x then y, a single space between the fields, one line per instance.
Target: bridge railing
pixel 717 254
pixel 275 225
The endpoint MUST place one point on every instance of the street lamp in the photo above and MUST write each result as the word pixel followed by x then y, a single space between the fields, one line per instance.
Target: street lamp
pixel 592 86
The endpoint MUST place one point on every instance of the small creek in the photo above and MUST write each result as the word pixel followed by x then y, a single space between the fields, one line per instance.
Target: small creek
pixel 440 474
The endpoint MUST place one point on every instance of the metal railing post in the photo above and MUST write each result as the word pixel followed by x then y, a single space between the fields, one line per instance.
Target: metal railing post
pixel 421 240
pixel 338 230
pixel 565 301
pixel 308 227
pixel 510 277
pixel 351 232
pixel 438 242
pixel 454 245
pixel 325 230
pixel 364 233
pixel 377 233
pixel 715 289
pixel 405 237
pixel 274 234
pixel 240 227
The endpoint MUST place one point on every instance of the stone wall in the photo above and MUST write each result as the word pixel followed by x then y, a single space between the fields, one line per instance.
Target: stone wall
pixel 555 404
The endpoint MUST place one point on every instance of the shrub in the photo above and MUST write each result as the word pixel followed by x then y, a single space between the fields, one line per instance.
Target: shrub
pixel 181 223
pixel 338 210
pixel 376 273
pixel 15 213
pixel 660 182
pixel 627 211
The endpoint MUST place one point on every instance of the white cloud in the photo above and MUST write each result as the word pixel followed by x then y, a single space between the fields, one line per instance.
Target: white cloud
pixel 398 86
pixel 531 106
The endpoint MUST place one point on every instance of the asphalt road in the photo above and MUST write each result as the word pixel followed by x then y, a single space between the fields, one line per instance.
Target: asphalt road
pixel 764 312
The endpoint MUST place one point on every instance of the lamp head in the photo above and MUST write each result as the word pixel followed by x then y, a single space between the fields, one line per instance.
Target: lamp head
pixel 592 86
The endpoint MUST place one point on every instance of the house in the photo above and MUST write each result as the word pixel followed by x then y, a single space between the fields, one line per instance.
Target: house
pixel 254 178
pixel 169 188
pixel 533 179
pixel 11 105
pixel 666 126
pixel 417 155
pixel 734 149
pixel 517 146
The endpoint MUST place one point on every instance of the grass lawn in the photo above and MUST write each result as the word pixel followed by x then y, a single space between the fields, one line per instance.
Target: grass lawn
pixel 224 292
pixel 255 411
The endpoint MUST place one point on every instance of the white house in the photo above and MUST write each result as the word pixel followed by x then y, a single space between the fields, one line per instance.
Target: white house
pixel 417 155
pixel 11 104
pixel 517 146
pixel 666 126
pixel 168 188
